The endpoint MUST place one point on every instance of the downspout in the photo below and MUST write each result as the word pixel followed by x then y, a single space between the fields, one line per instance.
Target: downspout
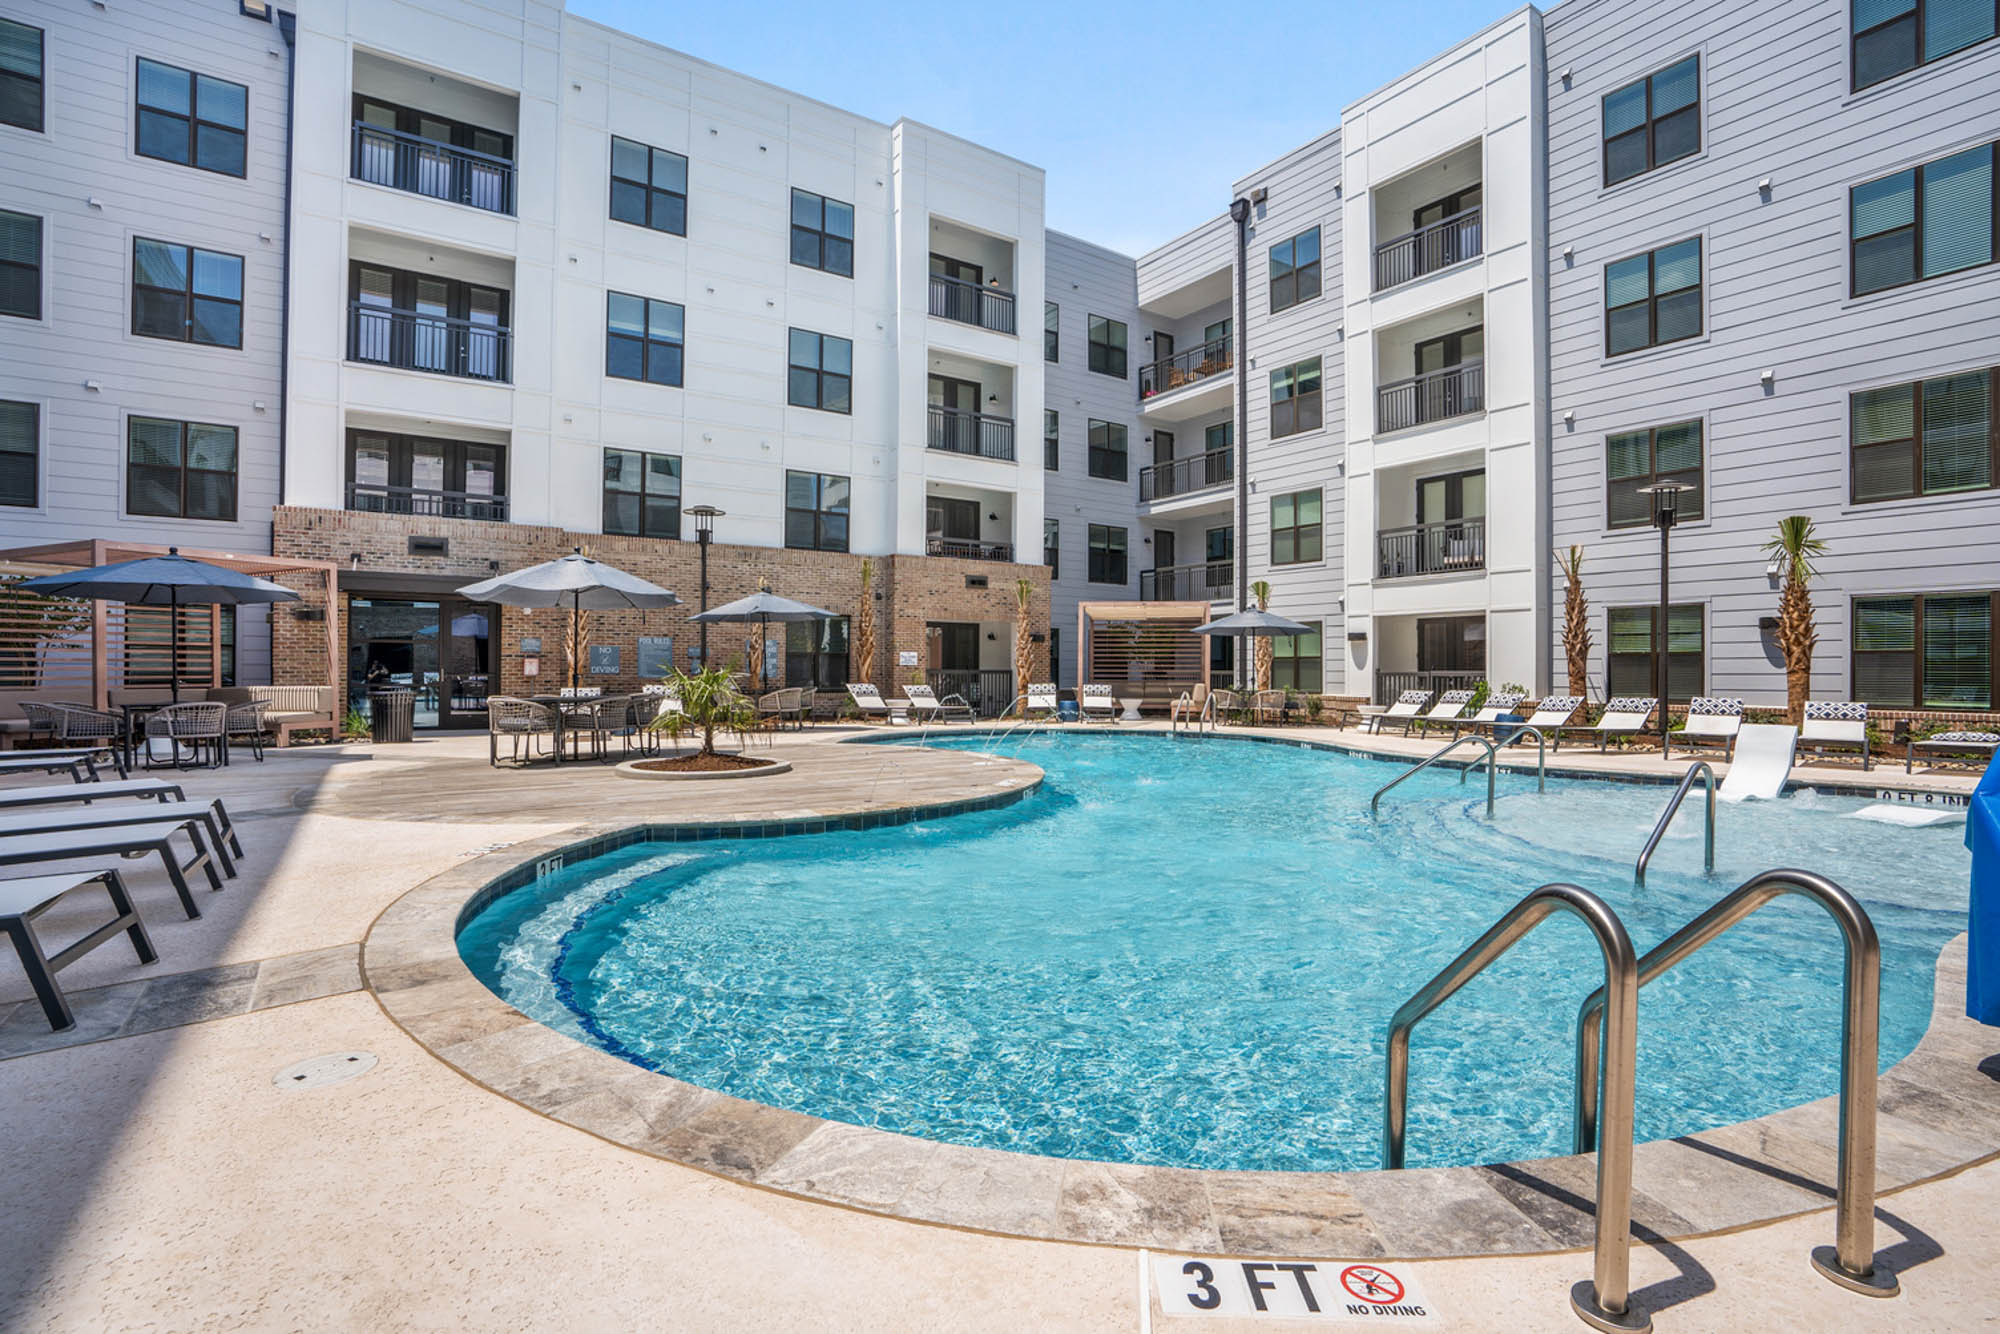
pixel 1239 213
pixel 288 29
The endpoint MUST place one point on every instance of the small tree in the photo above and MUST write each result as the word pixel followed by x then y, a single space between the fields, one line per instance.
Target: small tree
pixel 1260 593
pixel 1576 622
pixel 1024 649
pixel 1795 546
pixel 863 662
pixel 708 701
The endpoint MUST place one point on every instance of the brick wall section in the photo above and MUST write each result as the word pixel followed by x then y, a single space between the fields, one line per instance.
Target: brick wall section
pixel 911 591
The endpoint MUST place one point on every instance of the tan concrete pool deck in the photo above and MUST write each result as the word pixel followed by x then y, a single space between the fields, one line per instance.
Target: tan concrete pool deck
pixel 161 1180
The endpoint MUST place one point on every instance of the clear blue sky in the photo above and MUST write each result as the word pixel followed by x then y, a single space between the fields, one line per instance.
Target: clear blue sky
pixel 1142 114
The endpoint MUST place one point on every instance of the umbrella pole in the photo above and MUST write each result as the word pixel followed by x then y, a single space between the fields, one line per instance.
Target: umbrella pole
pixel 174 644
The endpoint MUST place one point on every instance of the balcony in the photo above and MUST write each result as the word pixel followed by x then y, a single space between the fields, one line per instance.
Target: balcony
pixel 1428 249
pixel 969 303
pixel 958 432
pixel 422 166
pixel 1204 582
pixel 443 345
pixel 1453 547
pixel 430 504
pixel 962 548
pixel 1180 477
pixel 1431 397
pixel 1184 368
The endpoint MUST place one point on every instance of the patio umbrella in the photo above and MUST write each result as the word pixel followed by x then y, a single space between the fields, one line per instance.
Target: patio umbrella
pixel 1253 623
pixel 172 581
pixel 574 581
pixel 763 607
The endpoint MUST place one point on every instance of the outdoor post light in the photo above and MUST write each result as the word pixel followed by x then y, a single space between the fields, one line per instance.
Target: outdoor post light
pixel 704 517
pixel 1666 507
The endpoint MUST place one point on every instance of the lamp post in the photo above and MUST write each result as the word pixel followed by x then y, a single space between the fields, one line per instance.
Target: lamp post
pixel 704 517
pixel 1666 507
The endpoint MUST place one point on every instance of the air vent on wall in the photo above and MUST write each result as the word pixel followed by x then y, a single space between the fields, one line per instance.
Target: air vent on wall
pixel 975 581
pixel 430 546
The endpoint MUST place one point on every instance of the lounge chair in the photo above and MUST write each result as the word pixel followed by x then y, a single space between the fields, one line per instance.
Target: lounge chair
pixel 1497 703
pixel 65 794
pixel 1709 722
pixel 127 841
pixel 1445 712
pixel 927 707
pixel 79 763
pixel 1095 703
pixel 1971 747
pixel 869 700
pixel 1552 714
pixel 522 721
pixel 1625 716
pixel 1405 710
pixel 1840 724
pixel 54 819
pixel 1762 762
pixel 1044 702
pixel 23 900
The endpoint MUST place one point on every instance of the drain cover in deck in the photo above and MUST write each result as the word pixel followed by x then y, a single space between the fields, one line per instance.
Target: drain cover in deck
pixel 317 1072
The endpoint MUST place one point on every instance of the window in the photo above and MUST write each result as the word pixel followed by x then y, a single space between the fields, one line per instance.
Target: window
pixel 1220 435
pixel 20 453
pixel 642 494
pixel 1653 298
pixel 1653 121
pixel 1107 346
pixel 1051 330
pixel 192 119
pixel 643 340
pixel 1297 661
pixel 816 653
pixel 1630 651
pixel 1295 270
pixel 192 296
pixel 1929 438
pixel 1296 535
pixel 1924 222
pixel 180 470
pixel 1295 399
pixel 822 232
pixel 1932 651
pixel 1052 547
pixel 1051 440
pixel 649 187
pixel 1633 459
pixel 1891 36
pixel 1107 451
pixel 20 75
pixel 816 511
pixel 1107 554
pixel 821 372
pixel 20 265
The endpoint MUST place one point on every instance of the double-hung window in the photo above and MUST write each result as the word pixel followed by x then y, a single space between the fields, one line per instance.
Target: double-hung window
pixel 1051 330
pixel 20 265
pixel 187 294
pixel 1295 398
pixel 1924 222
pixel 1107 451
pixel 1929 438
pixel 822 233
pixel 1629 651
pixel 816 511
pixel 1297 534
pixel 1295 270
pixel 20 453
pixel 642 339
pixel 180 470
pixel 1107 554
pixel 1891 36
pixel 21 54
pixel 649 186
pixel 1107 346
pixel 1653 298
pixel 821 372
pixel 1653 121
pixel 1633 459
pixel 642 494
pixel 1298 661
pixel 1051 440
pixel 1928 651
pixel 1052 546
pixel 192 119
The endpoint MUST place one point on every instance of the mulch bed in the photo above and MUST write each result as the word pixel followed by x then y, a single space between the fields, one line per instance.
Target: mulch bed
pixel 699 763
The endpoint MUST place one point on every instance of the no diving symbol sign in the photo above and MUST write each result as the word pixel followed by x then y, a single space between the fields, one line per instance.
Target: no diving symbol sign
pixel 1333 1292
pixel 1372 1284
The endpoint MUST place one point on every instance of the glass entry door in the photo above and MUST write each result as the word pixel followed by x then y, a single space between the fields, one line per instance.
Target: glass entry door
pixel 441 651
pixel 465 662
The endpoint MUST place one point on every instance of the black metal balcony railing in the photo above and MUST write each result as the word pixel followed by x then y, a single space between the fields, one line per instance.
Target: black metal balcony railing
pixel 1204 582
pixel 965 548
pixel 1184 368
pixel 1389 686
pixel 426 167
pixel 1442 244
pixel 371 499
pixel 988 692
pixel 969 303
pixel 1431 548
pixel 1430 397
pixel 386 336
pixel 978 433
pixel 1180 477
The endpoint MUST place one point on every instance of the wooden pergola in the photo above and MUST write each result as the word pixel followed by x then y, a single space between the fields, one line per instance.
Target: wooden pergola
pixel 76 643
pixel 1147 645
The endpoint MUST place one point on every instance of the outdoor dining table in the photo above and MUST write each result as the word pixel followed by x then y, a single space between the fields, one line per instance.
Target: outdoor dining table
pixel 578 715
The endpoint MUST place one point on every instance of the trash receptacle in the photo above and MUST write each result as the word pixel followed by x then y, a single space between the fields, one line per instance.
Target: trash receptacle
pixel 391 715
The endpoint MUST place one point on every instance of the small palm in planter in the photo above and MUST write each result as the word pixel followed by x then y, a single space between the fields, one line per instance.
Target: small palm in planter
pixel 709 700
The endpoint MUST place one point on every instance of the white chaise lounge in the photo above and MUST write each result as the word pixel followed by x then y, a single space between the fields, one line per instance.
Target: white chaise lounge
pixel 1710 722
pixel 1841 724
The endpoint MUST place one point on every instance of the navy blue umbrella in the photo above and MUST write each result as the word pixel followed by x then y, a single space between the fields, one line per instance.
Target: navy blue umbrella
pixel 171 581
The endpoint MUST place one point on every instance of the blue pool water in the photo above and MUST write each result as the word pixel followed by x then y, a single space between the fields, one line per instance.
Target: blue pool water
pixel 1187 953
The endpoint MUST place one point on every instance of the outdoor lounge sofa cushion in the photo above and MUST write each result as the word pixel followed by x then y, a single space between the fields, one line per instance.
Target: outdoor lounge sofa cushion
pixel 1839 723
pixel 291 708
pixel 1710 720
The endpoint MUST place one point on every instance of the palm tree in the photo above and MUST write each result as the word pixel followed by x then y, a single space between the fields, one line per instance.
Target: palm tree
pixel 1024 656
pixel 708 700
pixel 1260 593
pixel 1795 546
pixel 1576 621
pixel 863 664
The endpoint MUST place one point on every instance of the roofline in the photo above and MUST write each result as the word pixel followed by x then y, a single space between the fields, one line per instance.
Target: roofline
pixel 1466 40
pixel 1195 230
pixel 1307 146
pixel 1101 249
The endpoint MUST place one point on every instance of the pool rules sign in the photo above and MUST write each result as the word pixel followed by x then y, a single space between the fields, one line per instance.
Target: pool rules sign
pixel 1332 1291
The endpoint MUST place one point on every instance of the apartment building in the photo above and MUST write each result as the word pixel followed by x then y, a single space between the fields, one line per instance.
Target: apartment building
pixel 142 233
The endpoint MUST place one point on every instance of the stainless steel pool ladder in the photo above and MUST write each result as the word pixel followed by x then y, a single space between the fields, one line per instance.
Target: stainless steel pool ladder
pixel 1204 721
pixel 1850 1261
pixel 1492 769
pixel 1699 769
pixel 1604 1301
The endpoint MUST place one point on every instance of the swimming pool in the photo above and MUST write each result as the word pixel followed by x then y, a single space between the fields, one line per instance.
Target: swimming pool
pixel 1187 953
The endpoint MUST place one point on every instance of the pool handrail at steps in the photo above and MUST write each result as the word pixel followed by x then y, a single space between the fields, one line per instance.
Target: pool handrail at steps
pixel 1603 1301
pixel 1492 767
pixel 1698 769
pixel 1850 1262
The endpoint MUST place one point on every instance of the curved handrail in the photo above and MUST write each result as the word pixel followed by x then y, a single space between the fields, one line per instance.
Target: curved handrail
pixel 1699 769
pixel 1852 1258
pixel 1611 1275
pixel 1541 752
pixel 1375 801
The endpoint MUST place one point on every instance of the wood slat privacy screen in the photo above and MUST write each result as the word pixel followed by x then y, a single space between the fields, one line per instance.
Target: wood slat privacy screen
pixel 1154 651
pixel 46 651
